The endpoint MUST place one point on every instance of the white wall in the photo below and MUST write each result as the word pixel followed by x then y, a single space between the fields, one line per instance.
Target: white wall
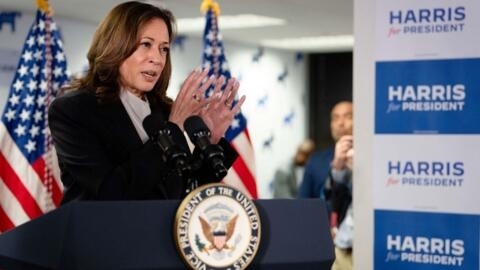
pixel 363 97
pixel 259 82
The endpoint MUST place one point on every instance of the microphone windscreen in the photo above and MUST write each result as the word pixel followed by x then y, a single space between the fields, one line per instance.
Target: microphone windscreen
pixel 177 134
pixel 194 124
pixel 153 123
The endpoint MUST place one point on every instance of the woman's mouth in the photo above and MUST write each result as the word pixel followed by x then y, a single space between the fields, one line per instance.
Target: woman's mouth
pixel 150 75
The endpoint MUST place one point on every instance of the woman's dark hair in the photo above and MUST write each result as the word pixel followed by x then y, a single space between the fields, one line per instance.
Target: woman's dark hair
pixel 115 39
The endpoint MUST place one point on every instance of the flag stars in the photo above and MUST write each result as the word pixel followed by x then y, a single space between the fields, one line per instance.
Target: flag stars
pixel 25 115
pixel 20 130
pixel 30 146
pixel 31 41
pixel 41 39
pixel 59 43
pixel 38 116
pixel 34 70
pixel 38 55
pixel 43 86
pixel 40 101
pixel 22 71
pixel 41 25
pixel 14 99
pixel 32 85
pixel 210 36
pixel 57 72
pixel 34 131
pixel 10 115
pixel 208 50
pixel 18 85
pixel 235 123
pixel 60 56
pixel 27 56
pixel 28 100
pixel 56 85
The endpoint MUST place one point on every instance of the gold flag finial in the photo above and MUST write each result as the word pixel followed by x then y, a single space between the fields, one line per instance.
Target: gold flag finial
pixel 44 6
pixel 210 4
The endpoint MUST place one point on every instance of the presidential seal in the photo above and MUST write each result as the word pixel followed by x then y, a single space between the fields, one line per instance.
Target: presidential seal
pixel 217 227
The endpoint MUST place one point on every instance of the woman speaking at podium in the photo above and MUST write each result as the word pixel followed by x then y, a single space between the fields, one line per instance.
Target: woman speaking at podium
pixel 103 147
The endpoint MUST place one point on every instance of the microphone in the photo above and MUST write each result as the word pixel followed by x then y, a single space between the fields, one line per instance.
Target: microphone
pixel 159 131
pixel 212 154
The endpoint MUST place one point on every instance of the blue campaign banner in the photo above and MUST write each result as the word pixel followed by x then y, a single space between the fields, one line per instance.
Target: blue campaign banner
pixel 423 241
pixel 428 97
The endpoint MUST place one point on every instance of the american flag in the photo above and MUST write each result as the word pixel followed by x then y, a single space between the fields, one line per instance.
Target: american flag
pixel 242 173
pixel 29 176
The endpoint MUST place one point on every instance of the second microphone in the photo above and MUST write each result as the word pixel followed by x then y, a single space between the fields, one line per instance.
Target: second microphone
pixel 211 154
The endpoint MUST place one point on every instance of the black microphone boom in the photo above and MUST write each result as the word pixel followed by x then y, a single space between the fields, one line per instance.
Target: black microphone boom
pixel 159 131
pixel 212 154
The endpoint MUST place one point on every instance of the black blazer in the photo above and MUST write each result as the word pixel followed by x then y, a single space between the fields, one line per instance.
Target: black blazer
pixel 101 156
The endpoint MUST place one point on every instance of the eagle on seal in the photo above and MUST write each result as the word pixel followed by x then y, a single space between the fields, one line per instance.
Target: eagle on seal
pixel 218 233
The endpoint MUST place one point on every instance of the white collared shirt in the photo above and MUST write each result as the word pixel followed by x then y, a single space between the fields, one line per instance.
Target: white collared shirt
pixel 137 109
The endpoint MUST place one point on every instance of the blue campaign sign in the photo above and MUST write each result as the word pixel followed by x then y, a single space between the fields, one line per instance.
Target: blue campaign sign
pixel 421 241
pixel 428 97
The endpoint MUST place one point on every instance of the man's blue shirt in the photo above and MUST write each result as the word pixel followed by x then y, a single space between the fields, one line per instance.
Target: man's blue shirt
pixel 316 172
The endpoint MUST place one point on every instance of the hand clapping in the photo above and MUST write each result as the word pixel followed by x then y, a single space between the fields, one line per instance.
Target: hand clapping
pixel 216 110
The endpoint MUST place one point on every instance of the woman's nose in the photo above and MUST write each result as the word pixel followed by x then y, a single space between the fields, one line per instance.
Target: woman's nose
pixel 156 57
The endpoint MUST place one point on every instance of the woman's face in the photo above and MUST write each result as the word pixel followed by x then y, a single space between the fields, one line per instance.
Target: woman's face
pixel 141 70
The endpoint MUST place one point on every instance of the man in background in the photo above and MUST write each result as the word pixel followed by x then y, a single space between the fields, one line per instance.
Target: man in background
pixel 286 182
pixel 318 165
pixel 338 192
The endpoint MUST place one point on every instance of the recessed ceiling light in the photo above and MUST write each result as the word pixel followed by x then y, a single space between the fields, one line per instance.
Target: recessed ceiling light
pixel 188 25
pixel 321 43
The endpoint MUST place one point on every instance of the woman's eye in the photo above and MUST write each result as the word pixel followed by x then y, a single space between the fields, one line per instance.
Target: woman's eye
pixel 164 50
pixel 146 44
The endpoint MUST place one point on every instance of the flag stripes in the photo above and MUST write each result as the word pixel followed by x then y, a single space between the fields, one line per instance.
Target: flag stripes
pixel 54 186
pixel 7 223
pixel 19 190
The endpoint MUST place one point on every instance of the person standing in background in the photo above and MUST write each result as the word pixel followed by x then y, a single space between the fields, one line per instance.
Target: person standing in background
pixel 338 192
pixel 286 182
pixel 318 165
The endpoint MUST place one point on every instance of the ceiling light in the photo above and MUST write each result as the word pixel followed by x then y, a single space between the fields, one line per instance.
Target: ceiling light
pixel 188 25
pixel 321 43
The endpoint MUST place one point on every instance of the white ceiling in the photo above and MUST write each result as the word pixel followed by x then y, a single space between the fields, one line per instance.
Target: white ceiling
pixel 305 18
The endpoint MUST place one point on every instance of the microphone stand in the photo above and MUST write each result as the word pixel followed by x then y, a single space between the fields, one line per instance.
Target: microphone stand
pixel 192 181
